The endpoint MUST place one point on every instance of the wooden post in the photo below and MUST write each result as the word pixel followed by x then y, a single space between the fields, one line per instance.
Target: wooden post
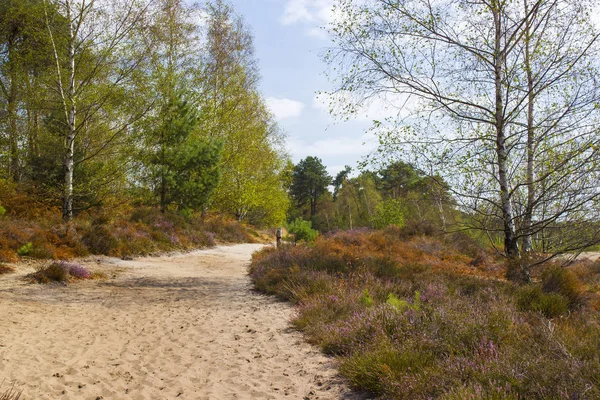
pixel 278 235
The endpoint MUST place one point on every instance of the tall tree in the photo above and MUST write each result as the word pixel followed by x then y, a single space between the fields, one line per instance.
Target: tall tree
pixel 186 166
pixel 24 55
pixel 462 68
pixel 234 110
pixel 310 181
pixel 94 60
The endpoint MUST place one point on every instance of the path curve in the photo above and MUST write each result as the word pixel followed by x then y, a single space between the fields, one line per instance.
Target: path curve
pixel 179 327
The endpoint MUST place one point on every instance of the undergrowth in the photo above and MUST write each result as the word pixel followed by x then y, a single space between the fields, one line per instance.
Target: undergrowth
pixel 423 318
pixel 126 233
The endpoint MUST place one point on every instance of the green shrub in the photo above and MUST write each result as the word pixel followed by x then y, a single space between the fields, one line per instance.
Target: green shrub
pixel 302 230
pixel 2 211
pixel 399 305
pixel 551 305
pixel 25 250
pixel 365 299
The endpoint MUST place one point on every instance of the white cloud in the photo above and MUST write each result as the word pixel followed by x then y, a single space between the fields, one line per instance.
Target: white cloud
pixel 285 108
pixel 314 13
pixel 380 108
pixel 346 146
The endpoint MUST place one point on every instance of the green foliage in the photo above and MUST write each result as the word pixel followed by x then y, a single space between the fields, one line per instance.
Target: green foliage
pixel 302 230
pixel 26 249
pixel 551 305
pixel 253 185
pixel 399 305
pixel 310 181
pixel 365 298
pixel 2 211
pixel 389 212
pixel 185 167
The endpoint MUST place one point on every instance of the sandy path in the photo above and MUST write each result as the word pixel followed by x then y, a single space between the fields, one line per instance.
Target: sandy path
pixel 185 327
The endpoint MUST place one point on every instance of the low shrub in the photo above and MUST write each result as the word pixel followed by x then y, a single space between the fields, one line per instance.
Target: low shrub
pixel 564 282
pixel 302 230
pixel 99 239
pixel 77 271
pixel 551 305
pixel 227 230
pixel 25 250
pixel 7 255
pixel 59 272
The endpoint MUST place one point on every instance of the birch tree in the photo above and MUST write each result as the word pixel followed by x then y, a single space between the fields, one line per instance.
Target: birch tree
pixel 234 111
pixel 94 49
pixel 499 97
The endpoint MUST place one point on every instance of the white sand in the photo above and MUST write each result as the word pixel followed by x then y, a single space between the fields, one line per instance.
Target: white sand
pixel 185 327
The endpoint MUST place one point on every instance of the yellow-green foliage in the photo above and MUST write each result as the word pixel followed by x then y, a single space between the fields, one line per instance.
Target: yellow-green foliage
pixel 365 299
pixel 26 249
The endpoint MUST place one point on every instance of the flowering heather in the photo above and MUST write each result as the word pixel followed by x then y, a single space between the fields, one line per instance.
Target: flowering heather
pixel 437 324
pixel 77 271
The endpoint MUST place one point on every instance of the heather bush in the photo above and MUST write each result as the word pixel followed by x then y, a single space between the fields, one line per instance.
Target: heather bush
pixel 55 272
pixel 99 239
pixel 413 318
pixel 551 305
pixel 59 272
pixel 77 271
pixel 227 230
pixel 564 282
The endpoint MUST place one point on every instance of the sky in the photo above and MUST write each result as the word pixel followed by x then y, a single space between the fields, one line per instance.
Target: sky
pixel 289 40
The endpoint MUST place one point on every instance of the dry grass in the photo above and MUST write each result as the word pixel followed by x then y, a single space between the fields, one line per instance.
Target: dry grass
pixel 10 394
pixel 6 269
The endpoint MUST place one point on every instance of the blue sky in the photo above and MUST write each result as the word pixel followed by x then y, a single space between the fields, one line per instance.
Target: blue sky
pixel 288 43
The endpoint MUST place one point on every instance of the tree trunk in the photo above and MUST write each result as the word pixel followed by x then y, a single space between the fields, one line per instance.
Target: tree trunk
pixel 510 240
pixel 71 122
pixel 528 217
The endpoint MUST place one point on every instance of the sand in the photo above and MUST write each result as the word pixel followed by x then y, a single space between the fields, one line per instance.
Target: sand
pixel 178 327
